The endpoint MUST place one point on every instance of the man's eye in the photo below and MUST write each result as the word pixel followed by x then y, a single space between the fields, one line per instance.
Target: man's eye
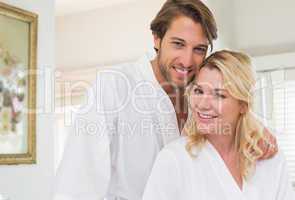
pixel 200 50
pixel 178 44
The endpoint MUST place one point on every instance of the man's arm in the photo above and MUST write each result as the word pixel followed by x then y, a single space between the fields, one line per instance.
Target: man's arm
pixel 85 170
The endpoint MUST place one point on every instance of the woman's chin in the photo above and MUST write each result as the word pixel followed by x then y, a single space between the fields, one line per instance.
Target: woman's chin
pixel 205 129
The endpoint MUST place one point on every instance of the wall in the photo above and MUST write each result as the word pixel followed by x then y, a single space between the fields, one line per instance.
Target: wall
pixel 120 33
pixel 114 34
pixel 106 35
pixel 264 27
pixel 222 11
pixel 33 182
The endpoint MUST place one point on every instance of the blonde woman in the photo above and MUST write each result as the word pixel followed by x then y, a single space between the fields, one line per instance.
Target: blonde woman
pixel 218 159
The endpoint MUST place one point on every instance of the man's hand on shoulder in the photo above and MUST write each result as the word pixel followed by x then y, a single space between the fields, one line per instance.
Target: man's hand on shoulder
pixel 268 145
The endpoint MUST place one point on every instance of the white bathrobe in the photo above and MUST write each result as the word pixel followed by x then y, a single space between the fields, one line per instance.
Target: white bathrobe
pixel 176 176
pixel 112 146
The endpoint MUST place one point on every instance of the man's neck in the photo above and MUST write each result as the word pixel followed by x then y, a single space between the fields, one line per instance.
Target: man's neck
pixel 175 94
pixel 167 86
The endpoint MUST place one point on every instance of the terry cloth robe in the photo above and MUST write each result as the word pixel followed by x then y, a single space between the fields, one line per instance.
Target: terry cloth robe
pixel 112 146
pixel 176 176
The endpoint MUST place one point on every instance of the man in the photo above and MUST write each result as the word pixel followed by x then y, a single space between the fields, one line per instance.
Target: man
pixel 139 108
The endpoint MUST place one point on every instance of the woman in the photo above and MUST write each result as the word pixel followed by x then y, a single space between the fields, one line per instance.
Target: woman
pixel 218 157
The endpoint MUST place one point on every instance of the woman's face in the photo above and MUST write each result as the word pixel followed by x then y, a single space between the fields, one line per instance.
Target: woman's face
pixel 214 109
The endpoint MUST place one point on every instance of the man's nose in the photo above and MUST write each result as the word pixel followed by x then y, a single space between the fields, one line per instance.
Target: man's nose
pixel 187 59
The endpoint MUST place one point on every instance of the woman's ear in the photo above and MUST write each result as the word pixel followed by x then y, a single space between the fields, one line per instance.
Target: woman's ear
pixel 244 108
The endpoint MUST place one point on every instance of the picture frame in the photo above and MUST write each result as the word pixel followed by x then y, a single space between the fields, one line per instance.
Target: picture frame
pixel 18 60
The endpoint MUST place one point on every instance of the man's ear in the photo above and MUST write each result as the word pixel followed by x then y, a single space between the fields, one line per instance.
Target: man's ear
pixel 157 41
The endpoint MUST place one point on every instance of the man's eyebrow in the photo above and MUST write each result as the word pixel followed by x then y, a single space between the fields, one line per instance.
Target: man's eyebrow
pixel 177 38
pixel 197 46
pixel 203 46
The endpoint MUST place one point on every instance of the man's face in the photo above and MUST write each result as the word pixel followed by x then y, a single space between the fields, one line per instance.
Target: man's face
pixel 181 51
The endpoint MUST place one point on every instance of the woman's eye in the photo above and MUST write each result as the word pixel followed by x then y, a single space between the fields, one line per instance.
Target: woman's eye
pixel 220 96
pixel 197 91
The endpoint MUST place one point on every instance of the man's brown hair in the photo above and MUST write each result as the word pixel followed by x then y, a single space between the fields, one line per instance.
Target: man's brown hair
pixel 194 9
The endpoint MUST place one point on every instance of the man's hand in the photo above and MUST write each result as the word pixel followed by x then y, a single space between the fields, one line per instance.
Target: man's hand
pixel 268 145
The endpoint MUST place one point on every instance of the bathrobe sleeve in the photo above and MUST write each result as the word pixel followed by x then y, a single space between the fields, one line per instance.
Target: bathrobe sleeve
pixel 164 181
pixel 84 172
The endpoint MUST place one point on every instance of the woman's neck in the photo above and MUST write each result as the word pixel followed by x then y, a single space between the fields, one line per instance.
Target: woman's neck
pixel 224 144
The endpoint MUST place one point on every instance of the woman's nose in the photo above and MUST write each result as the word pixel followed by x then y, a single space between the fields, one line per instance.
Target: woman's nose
pixel 204 102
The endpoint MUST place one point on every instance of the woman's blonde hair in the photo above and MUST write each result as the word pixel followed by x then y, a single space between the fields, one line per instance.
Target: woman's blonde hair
pixel 239 81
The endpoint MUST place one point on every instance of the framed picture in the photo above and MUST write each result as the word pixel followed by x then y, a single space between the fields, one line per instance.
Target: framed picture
pixel 18 46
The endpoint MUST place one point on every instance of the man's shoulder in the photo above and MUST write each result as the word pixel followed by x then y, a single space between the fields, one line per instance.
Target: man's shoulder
pixel 127 70
pixel 122 68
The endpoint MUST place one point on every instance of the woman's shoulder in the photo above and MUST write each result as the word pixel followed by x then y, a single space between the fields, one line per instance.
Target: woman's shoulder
pixel 177 144
pixel 177 148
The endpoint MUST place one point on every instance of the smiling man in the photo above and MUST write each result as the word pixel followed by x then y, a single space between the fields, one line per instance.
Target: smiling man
pixel 140 107
pixel 180 52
